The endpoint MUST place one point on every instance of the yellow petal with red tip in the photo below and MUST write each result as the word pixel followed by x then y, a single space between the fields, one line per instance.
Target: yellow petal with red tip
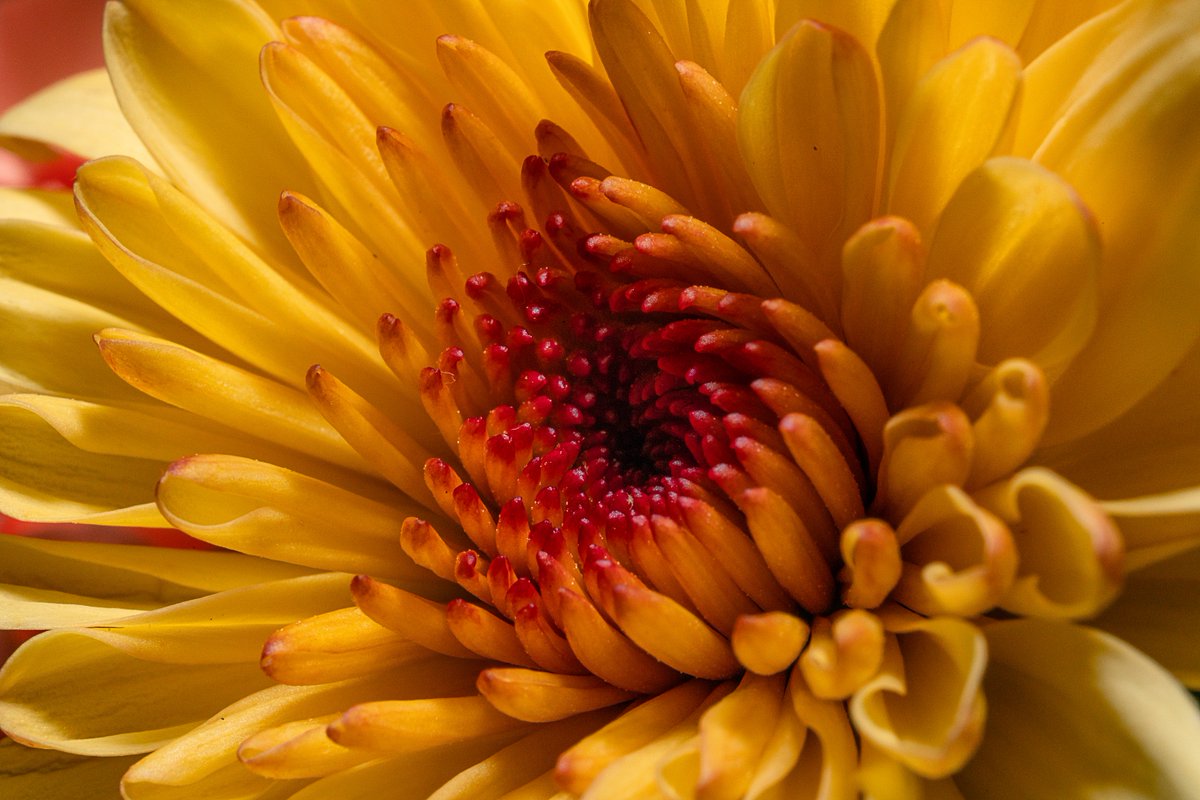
pixel 485 634
pixel 606 652
pixel 536 696
pixel 266 510
pixel 414 617
pixel 671 633
pixel 334 646
pixel 401 726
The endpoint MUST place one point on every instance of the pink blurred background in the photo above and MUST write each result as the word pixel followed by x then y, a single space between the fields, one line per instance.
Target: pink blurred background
pixel 42 41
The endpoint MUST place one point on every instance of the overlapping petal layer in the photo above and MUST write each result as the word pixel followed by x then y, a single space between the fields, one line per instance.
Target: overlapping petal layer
pixel 767 361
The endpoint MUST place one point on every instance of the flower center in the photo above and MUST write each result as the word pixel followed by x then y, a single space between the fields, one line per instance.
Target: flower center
pixel 647 461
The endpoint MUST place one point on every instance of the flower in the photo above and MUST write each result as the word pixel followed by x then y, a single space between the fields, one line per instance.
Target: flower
pixel 797 401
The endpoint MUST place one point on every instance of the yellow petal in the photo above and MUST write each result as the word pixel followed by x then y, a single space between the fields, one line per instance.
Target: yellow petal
pixel 33 774
pixel 971 18
pixel 636 728
pixel 267 510
pixel 161 575
pixel 861 20
pixel 155 432
pixel 420 773
pixel 882 265
pixel 358 278
pixel 959 559
pixel 205 761
pixel 1073 708
pixel 925 707
pixel 63 261
pixel 222 628
pixel 199 137
pixel 334 646
pixel 729 748
pixel 957 116
pixel 46 206
pixel 1018 239
pixel 642 68
pixel 914 37
pixel 418 619
pixel 34 318
pixel 832 770
pixel 44 477
pixel 671 633
pixel 1070 555
pixel 536 696
pixel 129 212
pixel 1158 526
pixel 1125 147
pixel 1010 408
pixel 401 726
pixel 79 114
pixel 1157 613
pixel 299 749
pixel 217 390
pixel 809 129
pixel 520 762
pixel 71 692
pixel 843 653
pixel 1158 439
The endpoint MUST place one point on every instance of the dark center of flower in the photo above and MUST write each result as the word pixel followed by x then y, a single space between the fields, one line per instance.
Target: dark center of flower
pixel 630 442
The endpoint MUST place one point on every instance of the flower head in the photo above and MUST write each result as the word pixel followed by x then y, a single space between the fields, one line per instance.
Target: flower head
pixel 714 399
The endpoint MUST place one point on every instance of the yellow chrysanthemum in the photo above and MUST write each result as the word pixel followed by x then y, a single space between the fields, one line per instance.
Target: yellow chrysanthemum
pixel 785 385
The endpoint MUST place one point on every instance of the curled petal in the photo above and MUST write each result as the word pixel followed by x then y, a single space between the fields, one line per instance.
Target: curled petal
pixel 925 707
pixel 958 558
pixel 1070 554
